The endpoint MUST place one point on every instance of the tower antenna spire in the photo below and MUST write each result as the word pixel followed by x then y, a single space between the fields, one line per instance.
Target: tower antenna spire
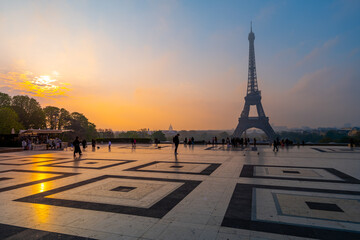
pixel 250 26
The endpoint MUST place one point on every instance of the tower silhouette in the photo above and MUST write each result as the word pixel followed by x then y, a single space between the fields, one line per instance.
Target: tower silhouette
pixel 253 97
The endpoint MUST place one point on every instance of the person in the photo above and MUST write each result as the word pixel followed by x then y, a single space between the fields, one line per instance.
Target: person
pixel 109 144
pixel 76 145
pixel 24 144
pixel 93 143
pixel 185 141
pixel 134 143
pixel 276 148
pixel 84 143
pixel 176 141
pixel 351 143
pixel 254 142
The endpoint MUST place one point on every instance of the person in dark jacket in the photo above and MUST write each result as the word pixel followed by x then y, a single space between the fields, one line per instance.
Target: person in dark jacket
pixel 76 145
pixel 84 143
pixel 176 141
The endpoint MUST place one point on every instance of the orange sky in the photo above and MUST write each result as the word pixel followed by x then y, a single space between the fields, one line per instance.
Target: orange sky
pixel 129 65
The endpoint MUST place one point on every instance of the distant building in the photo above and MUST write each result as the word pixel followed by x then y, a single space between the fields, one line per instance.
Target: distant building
pixel 170 132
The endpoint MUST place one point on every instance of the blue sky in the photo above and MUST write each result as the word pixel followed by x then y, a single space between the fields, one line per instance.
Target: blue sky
pixel 185 62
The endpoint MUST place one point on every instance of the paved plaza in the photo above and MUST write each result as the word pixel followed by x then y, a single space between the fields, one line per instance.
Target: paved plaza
pixel 204 193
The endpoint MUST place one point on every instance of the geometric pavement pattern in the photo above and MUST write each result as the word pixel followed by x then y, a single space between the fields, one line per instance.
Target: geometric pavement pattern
pixel 198 196
pixel 296 173
pixel 148 197
pixel 287 210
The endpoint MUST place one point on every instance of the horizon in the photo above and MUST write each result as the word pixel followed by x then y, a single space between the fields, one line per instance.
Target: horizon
pixel 128 64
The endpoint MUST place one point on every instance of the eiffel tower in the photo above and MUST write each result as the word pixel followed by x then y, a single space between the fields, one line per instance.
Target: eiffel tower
pixel 253 97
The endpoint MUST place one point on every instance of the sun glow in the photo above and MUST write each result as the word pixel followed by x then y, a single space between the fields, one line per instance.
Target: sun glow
pixel 47 86
pixel 46 82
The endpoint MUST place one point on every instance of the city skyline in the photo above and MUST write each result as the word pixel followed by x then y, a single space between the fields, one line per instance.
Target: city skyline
pixel 138 64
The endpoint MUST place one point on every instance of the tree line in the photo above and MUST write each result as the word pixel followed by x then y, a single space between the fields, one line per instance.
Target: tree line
pixel 23 112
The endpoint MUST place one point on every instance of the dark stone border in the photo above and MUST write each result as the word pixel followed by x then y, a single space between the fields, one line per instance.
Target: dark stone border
pixel 248 171
pixel 238 215
pixel 331 150
pixel 158 210
pixel 119 162
pixel 207 171
pixel 15 232
pixel 38 160
pixel 62 175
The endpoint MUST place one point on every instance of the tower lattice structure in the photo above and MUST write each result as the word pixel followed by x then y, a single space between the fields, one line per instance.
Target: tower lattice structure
pixel 253 97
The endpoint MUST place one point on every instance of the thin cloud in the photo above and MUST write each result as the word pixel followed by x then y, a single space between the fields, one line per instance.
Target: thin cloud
pixel 318 51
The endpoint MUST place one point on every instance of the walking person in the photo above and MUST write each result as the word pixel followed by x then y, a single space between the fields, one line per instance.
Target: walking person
pixel 76 145
pixel 176 141
pixel 276 148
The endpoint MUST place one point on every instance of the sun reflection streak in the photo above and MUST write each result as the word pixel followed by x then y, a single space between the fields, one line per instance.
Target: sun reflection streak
pixel 41 211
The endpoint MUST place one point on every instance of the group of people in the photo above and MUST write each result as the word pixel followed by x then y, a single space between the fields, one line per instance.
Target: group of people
pixel 27 144
pixel 191 141
pixel 76 144
pixel 242 142
pixel 283 143
pixel 53 144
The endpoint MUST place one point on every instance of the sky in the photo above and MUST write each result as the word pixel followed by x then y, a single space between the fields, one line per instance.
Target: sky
pixel 138 64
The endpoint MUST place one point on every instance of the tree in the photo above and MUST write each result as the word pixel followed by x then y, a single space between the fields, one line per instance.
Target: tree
pixel 129 134
pixel 81 126
pixel 64 118
pixel 9 120
pixel 105 133
pixel 158 135
pixel 52 116
pixel 91 131
pixel 5 100
pixel 143 133
pixel 29 111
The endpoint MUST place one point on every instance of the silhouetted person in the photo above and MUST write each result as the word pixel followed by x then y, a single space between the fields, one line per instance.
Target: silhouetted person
pixel 276 148
pixel 93 143
pixel 351 143
pixel 84 143
pixel 176 141
pixel 223 141
pixel 254 142
pixel 185 141
pixel 246 142
pixel 76 145
pixel 192 140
